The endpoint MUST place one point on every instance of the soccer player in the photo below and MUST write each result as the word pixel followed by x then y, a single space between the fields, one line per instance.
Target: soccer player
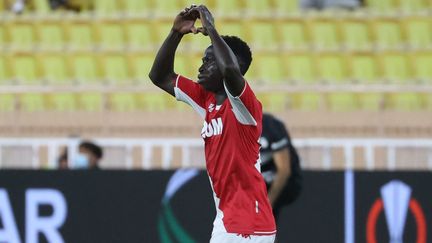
pixel 280 164
pixel 232 126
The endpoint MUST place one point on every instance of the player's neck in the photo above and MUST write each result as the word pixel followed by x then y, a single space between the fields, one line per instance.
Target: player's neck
pixel 220 97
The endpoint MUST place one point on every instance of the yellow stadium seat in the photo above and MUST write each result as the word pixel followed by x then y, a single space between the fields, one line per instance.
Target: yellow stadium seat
pixel 274 101
pixel 62 102
pixel 122 102
pixel 138 7
pixel 162 30
pixel 3 32
pixel 356 34
pixel 25 69
pixel 54 69
pixel 370 101
pixel 231 27
pixel 382 6
pixel 32 102
pixel 270 68
pixel 414 5
pixel 141 64
pixel 284 7
pixel 139 35
pixel 41 6
pixel 307 101
pixel 188 65
pixel 422 65
pixel 167 8
pixel 419 32
pixel 263 36
pixel 427 101
pixel 404 101
pixel 90 102
pixel 50 35
pixel 153 101
pixel 7 102
pixel 21 36
pixel 85 68
pixel 259 8
pixel 5 75
pixel 342 102
pixel 80 35
pixel 388 34
pixel 293 35
pixel 196 43
pixel 111 35
pixel 324 34
pixel 395 67
pixel 115 68
pixel 229 8
pixel 106 7
pixel 332 68
pixel 301 68
pixel 363 68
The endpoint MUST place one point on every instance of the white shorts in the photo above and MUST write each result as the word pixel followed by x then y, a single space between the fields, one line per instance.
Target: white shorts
pixel 234 238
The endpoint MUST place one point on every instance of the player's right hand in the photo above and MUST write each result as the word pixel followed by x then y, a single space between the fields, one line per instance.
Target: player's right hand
pixel 184 23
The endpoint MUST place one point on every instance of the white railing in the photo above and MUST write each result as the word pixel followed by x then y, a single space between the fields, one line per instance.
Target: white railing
pixel 166 153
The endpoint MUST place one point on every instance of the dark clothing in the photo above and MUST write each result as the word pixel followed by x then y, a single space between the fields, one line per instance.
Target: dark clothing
pixel 274 138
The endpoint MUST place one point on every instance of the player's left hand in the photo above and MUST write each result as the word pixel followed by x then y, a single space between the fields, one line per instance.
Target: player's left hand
pixel 206 18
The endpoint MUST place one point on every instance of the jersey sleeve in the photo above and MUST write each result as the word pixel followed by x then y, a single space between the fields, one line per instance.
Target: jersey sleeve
pixel 246 107
pixel 280 139
pixel 191 93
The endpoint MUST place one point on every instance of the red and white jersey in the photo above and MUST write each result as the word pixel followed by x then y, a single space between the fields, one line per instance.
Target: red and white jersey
pixel 231 132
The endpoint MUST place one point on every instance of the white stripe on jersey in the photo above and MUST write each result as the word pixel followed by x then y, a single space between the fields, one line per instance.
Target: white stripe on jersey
pixel 182 96
pixel 240 111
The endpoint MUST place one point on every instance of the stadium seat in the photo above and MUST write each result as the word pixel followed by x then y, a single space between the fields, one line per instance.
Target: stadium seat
pixel 270 69
pixel 195 43
pixel 419 32
pixel 370 101
pixel 356 34
pixel 293 35
pixel 50 35
pixel 115 68
pixel 7 102
pixel 21 35
pixel 54 69
pixel 342 102
pixel 324 34
pixel 273 102
pixel 388 34
pixel 427 101
pixel 404 101
pixel 153 101
pixel 32 102
pixel 110 35
pixel 414 5
pixel 137 7
pixel 85 68
pixel 308 101
pixel 5 75
pixel 80 34
pixel 422 65
pixel 332 68
pixel 41 6
pixel 90 102
pixel 167 8
pixel 382 6
pixel 122 102
pixel 263 35
pixel 183 66
pixel 141 64
pixel 139 35
pixel 162 29
pixel 395 67
pixel 229 8
pixel 3 32
pixel 25 69
pixel 259 8
pixel 106 7
pixel 284 7
pixel 301 68
pixel 363 68
pixel 231 27
pixel 62 102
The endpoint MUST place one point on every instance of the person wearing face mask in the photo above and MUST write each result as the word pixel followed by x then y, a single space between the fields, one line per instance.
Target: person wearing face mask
pixel 88 157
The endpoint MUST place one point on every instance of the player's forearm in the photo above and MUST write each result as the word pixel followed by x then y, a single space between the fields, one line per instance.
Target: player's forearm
pixel 277 186
pixel 163 65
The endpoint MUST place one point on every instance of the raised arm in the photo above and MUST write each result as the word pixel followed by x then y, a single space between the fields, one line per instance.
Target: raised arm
pixel 162 72
pixel 225 58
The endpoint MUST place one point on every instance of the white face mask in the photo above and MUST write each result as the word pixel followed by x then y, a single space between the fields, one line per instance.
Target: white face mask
pixel 81 161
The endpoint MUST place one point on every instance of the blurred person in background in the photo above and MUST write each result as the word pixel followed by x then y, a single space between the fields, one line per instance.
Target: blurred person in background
pixel 280 164
pixel 62 161
pixel 88 157
pixel 323 4
pixel 232 126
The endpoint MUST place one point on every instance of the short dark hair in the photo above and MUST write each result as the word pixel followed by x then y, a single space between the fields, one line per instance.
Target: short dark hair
pixel 93 148
pixel 241 50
